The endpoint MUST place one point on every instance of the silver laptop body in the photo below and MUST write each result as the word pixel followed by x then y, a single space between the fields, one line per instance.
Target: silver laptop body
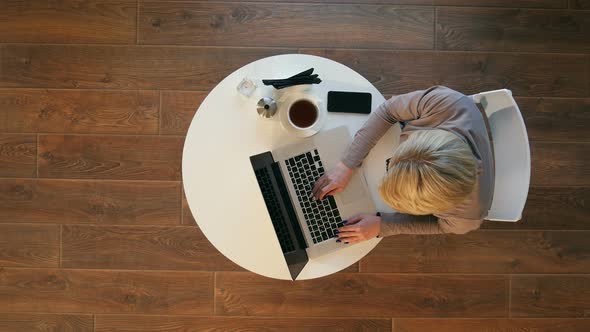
pixel 330 145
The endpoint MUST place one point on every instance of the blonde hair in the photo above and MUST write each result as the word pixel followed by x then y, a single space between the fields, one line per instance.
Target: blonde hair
pixel 431 172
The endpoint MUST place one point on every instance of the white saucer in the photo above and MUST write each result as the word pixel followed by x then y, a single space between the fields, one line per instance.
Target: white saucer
pixel 285 103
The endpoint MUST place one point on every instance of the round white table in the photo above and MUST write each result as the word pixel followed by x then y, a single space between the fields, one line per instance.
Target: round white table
pixel 219 182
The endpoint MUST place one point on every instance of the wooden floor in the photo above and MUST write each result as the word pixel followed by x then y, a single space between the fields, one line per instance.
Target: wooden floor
pixel 95 100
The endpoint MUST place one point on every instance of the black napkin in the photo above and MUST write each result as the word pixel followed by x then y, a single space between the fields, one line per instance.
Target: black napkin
pixel 305 77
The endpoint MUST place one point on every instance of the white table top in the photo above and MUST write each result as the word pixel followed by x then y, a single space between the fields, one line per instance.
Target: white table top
pixel 219 182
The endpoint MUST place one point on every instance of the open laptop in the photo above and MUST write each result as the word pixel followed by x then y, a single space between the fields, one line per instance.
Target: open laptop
pixel 305 226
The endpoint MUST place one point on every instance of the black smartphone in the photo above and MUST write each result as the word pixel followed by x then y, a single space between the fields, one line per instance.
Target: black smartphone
pixel 349 102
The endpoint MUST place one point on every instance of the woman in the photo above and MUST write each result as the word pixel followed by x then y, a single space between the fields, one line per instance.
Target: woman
pixel 439 180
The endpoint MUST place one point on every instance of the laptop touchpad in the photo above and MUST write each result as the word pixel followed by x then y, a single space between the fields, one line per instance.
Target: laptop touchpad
pixel 354 191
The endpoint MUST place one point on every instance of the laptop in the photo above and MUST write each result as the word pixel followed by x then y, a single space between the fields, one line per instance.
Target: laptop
pixel 286 176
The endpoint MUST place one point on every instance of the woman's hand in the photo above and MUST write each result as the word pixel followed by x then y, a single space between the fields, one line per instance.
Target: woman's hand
pixel 332 182
pixel 361 227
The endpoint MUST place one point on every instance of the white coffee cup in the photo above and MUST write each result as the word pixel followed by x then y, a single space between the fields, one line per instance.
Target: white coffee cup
pixel 302 114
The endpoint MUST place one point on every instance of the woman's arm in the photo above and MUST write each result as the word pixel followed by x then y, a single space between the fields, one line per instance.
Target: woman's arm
pixel 401 223
pixel 405 107
pixel 365 138
pixel 364 227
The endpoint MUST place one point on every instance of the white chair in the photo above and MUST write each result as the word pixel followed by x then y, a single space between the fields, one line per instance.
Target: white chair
pixel 512 154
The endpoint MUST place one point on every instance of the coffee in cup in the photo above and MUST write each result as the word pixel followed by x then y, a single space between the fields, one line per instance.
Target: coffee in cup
pixel 303 113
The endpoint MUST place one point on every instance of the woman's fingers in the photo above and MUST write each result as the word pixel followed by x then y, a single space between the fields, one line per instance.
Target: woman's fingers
pixel 325 190
pixel 319 185
pixel 349 228
pixel 332 192
pixel 349 239
pixel 354 219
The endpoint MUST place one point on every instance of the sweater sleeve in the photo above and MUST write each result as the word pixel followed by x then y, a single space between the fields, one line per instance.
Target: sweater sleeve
pixel 406 107
pixel 401 223
pixel 366 137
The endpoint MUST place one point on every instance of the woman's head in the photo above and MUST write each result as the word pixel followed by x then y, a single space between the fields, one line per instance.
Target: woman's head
pixel 431 172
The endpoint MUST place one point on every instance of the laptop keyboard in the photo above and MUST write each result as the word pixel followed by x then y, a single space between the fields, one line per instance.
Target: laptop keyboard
pixel 322 217
pixel 274 209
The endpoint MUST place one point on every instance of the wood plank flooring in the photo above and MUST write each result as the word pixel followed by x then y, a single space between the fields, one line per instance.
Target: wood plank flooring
pixel 80 112
pixel 221 24
pixel 515 30
pixel 96 98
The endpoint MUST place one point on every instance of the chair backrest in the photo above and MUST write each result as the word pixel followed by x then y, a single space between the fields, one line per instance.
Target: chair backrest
pixel 512 154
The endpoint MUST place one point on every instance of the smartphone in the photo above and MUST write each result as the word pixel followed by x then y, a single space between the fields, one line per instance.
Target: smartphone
pixel 349 102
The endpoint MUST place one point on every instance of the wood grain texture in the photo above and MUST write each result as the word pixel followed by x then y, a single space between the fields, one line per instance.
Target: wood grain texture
pixel 18 155
pixel 557 208
pixel 505 3
pixel 362 295
pixel 287 25
pixel 68 21
pixel 126 323
pixel 390 2
pixel 45 323
pixel 29 245
pixel 75 111
pixel 483 252
pixel 88 201
pixel 187 216
pixel 580 4
pixel 554 164
pixel 178 110
pixel 555 119
pixel 397 72
pixel 146 247
pixel 489 325
pixel 550 296
pixel 123 67
pixel 513 30
pixel 117 292
pixel 110 157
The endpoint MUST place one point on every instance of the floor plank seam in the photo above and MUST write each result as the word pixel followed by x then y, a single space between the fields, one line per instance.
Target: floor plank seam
pixel 182 203
pixel 510 296
pixel 101 225
pixel 90 180
pixel 96 89
pixel 170 136
pixel 37 157
pixel 154 315
pixel 160 115
pixel 137 23
pixel 155 135
pixel 190 226
pixel 435 42
pixel 549 9
pixel 369 3
pixel 577 98
pixel 60 245
pixel 293 49
pixel 215 293
pixel 349 274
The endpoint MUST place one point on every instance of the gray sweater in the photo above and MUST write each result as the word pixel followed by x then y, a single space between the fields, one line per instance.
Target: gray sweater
pixel 441 108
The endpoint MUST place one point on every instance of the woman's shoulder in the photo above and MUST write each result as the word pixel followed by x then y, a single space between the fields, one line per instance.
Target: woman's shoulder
pixel 441 99
pixel 443 91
